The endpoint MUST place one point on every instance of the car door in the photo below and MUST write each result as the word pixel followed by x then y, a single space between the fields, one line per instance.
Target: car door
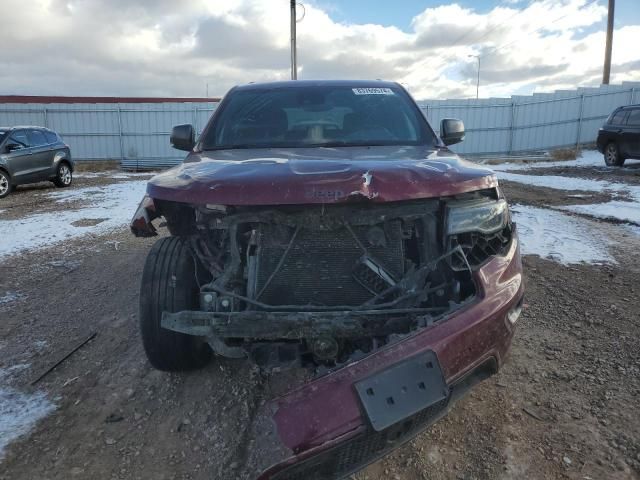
pixel 631 133
pixel 42 154
pixel 18 156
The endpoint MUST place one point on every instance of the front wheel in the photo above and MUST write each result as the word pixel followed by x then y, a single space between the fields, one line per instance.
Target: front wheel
pixel 63 175
pixel 5 184
pixel 169 284
pixel 612 155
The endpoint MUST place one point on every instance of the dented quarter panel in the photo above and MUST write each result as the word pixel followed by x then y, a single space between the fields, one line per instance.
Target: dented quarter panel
pixel 318 175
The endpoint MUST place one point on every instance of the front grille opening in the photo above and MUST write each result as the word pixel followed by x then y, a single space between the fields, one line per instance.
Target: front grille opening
pixel 341 280
pixel 317 266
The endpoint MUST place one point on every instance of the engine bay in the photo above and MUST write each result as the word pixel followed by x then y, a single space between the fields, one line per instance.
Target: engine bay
pixel 319 286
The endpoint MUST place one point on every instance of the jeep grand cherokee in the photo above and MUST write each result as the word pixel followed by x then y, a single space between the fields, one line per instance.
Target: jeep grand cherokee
pixel 325 226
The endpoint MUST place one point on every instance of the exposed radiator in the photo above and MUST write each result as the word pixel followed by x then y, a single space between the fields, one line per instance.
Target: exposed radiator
pixel 320 264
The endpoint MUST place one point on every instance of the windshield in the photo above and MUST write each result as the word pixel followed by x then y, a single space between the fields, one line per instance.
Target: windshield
pixel 319 116
pixel 3 133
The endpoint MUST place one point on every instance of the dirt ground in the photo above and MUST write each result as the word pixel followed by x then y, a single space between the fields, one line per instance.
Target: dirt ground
pixel 566 404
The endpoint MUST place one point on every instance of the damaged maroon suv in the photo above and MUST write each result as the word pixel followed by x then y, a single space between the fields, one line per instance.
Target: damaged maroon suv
pixel 325 227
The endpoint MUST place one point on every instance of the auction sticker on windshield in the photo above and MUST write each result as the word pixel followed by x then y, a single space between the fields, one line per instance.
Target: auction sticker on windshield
pixel 372 91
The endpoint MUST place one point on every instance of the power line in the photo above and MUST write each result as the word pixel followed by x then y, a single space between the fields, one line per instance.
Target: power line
pixel 503 4
pixel 495 49
pixel 518 12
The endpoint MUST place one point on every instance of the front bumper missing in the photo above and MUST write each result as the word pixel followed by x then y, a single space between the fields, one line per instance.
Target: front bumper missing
pixel 295 322
pixel 324 424
pixel 299 325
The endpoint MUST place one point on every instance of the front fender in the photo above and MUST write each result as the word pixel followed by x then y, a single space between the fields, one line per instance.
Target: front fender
pixel 141 225
pixel 62 155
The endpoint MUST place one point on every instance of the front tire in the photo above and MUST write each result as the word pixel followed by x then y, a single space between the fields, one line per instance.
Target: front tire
pixel 5 184
pixel 612 155
pixel 64 177
pixel 168 284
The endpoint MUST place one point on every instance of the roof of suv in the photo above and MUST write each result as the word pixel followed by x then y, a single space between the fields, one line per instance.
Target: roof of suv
pixel 319 83
pixel 624 107
pixel 19 127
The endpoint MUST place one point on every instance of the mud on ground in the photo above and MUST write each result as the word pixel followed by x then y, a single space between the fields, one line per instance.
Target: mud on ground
pixel 630 174
pixel 543 196
pixel 565 405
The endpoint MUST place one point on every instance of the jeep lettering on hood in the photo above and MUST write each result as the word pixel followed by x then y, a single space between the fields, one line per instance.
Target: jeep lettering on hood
pixel 324 229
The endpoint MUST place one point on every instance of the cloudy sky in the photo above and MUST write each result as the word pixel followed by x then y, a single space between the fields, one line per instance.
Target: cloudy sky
pixel 174 48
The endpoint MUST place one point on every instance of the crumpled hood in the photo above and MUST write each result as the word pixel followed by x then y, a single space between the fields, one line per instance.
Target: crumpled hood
pixel 318 175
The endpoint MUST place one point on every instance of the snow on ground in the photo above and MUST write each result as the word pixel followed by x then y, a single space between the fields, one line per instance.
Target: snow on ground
pixel 134 174
pixel 19 412
pixel 110 206
pixel 559 182
pixel 618 210
pixel 71 195
pixel 588 158
pixel 634 229
pixel 615 209
pixel 89 174
pixel 623 211
pixel 10 297
pixel 558 236
pixel 113 174
pixel 567 239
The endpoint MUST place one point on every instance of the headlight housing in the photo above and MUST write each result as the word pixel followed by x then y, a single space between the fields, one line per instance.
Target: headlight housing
pixel 482 216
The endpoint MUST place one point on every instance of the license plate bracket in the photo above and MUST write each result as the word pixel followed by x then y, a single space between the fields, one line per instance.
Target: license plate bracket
pixel 402 390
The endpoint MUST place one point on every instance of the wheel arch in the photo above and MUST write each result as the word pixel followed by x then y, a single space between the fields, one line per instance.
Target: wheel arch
pixel 62 157
pixel 620 155
pixel 180 217
pixel 5 171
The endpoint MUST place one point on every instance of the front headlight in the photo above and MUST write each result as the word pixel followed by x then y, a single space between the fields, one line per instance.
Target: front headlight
pixel 482 216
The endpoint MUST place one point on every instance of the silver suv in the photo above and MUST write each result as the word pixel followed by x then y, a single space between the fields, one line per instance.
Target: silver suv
pixel 33 154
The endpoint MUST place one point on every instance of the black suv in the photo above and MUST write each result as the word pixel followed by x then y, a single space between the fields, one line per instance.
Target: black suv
pixel 619 137
pixel 33 154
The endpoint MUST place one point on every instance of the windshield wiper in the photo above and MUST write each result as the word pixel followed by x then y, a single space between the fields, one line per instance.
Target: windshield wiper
pixel 351 144
pixel 234 147
pixel 333 144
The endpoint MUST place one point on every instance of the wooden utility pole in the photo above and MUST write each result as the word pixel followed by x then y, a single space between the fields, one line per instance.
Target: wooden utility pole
pixel 606 72
pixel 294 56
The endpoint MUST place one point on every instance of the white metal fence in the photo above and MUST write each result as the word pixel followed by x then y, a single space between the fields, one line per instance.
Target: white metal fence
pixel 137 134
pixel 533 123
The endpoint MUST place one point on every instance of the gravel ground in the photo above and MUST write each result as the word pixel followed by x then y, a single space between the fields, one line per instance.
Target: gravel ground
pixel 564 406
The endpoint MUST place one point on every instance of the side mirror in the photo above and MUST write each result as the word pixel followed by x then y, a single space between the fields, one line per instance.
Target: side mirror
pixel 183 137
pixel 10 147
pixel 451 131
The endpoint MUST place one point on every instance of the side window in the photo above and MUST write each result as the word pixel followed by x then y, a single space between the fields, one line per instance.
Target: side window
pixel 20 137
pixel 51 137
pixel 36 138
pixel 634 118
pixel 618 117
